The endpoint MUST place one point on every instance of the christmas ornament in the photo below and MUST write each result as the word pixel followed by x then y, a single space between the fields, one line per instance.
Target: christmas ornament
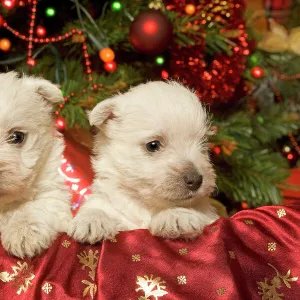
pixel 278 40
pixel 217 80
pixel 41 31
pixel 110 66
pixel 217 150
pixel 157 4
pixel 164 74
pixel 286 149
pixel 159 60
pixel 116 6
pixel 5 44
pixel 9 3
pixel 190 9
pixel 50 12
pixel 31 62
pixel 107 55
pixel 60 124
pixel 151 32
pixel 290 156
pixel 257 72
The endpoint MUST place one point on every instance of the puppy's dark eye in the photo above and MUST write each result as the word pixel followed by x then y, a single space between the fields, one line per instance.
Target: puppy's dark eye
pixel 17 137
pixel 153 146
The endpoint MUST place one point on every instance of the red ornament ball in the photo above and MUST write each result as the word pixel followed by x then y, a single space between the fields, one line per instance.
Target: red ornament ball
pixel 164 74
pixel 257 72
pixel 60 124
pixel 5 45
pixel 31 62
pixel 190 9
pixel 110 66
pixel 41 31
pixel 151 32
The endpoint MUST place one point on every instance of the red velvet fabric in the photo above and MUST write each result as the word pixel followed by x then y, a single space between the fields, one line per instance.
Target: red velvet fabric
pixel 253 255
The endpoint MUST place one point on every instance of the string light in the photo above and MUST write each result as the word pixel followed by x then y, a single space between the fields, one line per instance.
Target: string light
pixel 50 12
pixel 9 3
pixel 159 60
pixel 164 74
pixel 116 6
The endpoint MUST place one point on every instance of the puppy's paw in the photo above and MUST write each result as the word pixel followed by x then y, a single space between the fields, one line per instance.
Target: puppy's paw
pixel 91 226
pixel 179 223
pixel 27 239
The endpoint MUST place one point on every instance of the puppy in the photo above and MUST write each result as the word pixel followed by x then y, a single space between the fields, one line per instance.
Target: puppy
pixel 152 165
pixel 34 202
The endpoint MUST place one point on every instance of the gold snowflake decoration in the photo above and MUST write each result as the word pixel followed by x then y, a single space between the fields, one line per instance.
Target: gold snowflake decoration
pixel 281 212
pixel 183 251
pixel 272 246
pixel 136 257
pixel 47 288
pixel 268 289
pixel 249 222
pixel 231 254
pixel 151 286
pixel 221 291
pixel 181 279
pixel 21 277
pixel 66 244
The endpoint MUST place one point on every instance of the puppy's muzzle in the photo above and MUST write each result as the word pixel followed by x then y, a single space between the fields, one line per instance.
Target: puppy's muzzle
pixel 193 180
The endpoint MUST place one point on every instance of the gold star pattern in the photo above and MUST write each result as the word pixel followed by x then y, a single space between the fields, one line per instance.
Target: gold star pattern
pixel 249 222
pixel 231 254
pixel 183 251
pixel 181 279
pixel 281 212
pixel 221 291
pixel 136 257
pixel 272 246
pixel 213 229
pixel 66 244
pixel 47 288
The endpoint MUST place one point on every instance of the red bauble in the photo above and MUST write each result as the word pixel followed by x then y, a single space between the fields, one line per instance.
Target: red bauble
pixel 31 62
pixel 60 124
pixel 110 66
pixel 164 74
pixel 41 31
pixel 257 72
pixel 151 32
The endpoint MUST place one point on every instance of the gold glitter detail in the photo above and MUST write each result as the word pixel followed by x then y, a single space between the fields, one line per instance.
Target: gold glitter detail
pixel 281 212
pixel 268 288
pixel 136 257
pixel 183 251
pixel 232 255
pixel 151 287
pixel 181 279
pixel 249 222
pixel 89 260
pixel 114 240
pixel 66 244
pixel 47 288
pixel 272 246
pixel 221 291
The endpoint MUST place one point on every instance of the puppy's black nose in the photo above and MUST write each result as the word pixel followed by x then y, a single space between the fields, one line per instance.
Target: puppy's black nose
pixel 193 180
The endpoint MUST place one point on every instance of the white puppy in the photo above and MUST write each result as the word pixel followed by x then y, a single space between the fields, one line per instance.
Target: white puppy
pixel 34 202
pixel 152 165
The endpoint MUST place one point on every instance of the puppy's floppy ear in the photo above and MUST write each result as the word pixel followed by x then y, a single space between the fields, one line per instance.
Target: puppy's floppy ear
pixel 102 112
pixel 47 90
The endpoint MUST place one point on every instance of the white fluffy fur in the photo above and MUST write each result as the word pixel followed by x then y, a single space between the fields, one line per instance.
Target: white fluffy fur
pixel 135 188
pixel 34 202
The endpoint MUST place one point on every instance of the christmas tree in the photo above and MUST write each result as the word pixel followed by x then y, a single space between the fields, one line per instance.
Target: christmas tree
pixel 248 79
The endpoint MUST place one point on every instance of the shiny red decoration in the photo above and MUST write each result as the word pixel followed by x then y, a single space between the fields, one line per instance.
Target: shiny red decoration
pixel 110 66
pixel 290 156
pixel 9 3
pixel 257 72
pixel 164 74
pixel 217 150
pixel 151 32
pixel 60 124
pixel 217 80
pixel 41 31
pixel 31 62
